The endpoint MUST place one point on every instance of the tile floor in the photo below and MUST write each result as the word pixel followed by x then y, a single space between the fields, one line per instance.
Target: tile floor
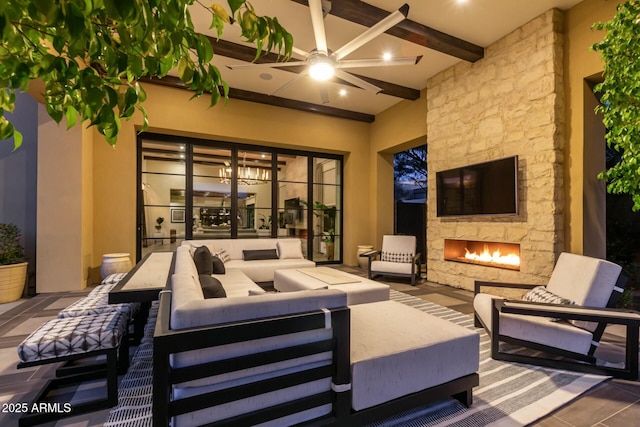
pixel 614 403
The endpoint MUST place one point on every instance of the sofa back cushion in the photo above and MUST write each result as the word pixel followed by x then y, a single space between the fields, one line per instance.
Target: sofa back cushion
pixel 184 262
pixel 289 249
pixel 234 247
pixel 189 311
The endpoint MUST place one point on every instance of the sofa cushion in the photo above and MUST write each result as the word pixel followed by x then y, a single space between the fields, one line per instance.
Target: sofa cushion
pixel 406 350
pixel 403 257
pixel 218 265
pixel 264 270
pixel 259 254
pixel 222 254
pixel 289 249
pixel 236 283
pixel 203 260
pixel 211 287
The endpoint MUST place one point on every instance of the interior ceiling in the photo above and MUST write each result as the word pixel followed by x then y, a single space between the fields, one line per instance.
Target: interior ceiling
pixel 468 28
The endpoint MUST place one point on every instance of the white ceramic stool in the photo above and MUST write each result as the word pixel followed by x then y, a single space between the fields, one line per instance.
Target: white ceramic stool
pixel 115 263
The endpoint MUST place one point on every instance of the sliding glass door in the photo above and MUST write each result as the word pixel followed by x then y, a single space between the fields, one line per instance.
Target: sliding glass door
pixel 200 189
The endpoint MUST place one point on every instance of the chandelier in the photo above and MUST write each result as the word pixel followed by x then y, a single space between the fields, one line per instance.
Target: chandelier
pixel 246 175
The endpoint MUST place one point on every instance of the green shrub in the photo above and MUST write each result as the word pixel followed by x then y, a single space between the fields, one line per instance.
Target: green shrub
pixel 11 252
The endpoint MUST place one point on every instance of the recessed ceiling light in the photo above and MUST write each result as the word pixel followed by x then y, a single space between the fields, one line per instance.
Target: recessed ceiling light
pixel 386 56
pixel 182 147
pixel 343 92
pixel 461 1
pixel 266 76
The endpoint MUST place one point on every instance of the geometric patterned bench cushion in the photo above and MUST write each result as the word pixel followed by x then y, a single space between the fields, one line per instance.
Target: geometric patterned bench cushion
pixel 73 335
pixel 97 304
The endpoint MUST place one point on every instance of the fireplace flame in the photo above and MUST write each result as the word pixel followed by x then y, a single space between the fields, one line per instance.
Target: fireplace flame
pixel 496 257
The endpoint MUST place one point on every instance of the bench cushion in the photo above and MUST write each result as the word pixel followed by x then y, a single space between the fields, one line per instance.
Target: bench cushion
pixel 405 349
pixel 73 335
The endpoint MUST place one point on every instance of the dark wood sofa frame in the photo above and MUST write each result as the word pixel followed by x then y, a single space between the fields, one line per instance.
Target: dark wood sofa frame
pixel 167 342
pixel 568 360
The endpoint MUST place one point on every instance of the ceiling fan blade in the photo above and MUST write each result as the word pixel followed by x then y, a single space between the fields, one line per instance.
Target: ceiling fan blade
pixel 324 94
pixel 373 32
pixel 317 21
pixel 299 52
pixel 361 63
pixel 356 81
pixel 267 65
pixel 290 82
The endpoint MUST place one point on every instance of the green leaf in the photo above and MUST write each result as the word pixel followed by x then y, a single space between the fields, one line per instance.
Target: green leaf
pixel 235 5
pixel 72 116
pixel 17 140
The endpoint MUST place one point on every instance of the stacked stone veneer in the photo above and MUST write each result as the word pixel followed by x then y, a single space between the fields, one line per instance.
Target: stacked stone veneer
pixel 511 102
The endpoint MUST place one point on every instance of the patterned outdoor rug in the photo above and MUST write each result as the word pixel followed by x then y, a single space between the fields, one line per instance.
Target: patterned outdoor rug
pixel 509 394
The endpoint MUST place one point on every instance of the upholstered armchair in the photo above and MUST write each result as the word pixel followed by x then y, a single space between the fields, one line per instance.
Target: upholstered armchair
pixel 398 257
pixel 564 320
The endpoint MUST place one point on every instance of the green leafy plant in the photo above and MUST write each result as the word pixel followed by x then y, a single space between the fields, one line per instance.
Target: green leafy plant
pixel 91 54
pixel 329 218
pixel 620 102
pixel 11 252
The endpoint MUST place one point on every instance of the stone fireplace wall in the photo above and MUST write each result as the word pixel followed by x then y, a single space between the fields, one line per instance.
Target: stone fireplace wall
pixel 509 103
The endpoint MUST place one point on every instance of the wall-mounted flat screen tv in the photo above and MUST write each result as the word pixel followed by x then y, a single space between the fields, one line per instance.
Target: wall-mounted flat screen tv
pixel 489 188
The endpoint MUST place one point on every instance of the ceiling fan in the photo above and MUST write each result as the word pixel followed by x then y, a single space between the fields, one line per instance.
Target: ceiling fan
pixel 322 64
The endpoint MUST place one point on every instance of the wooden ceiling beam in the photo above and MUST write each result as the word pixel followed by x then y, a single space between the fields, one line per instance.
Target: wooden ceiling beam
pixel 365 14
pixel 276 101
pixel 246 53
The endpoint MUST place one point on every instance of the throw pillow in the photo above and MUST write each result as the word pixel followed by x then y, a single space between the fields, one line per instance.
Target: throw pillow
pixel 290 249
pixel 259 254
pixel 223 255
pixel 541 294
pixel 203 260
pixel 211 287
pixel 403 257
pixel 218 265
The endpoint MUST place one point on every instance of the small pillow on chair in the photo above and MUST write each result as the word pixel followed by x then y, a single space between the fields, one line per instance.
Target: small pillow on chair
pixel 397 257
pixel 541 294
pixel 218 265
pixel 203 260
pixel 259 254
pixel 289 249
pixel 211 287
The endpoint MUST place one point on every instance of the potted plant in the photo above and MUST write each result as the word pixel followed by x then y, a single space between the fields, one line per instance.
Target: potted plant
pixel 328 217
pixel 13 265
pixel 159 221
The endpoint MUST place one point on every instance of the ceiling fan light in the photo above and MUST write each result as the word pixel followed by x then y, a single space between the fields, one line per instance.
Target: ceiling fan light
pixel 321 71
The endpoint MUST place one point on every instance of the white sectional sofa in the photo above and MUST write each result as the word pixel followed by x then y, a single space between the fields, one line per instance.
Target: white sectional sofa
pixel 290 357
pixel 289 252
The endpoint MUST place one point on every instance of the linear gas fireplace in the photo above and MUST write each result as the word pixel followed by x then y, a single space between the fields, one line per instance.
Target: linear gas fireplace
pixel 490 254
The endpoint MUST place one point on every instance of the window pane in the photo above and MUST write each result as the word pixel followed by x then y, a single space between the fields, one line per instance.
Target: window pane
pixel 254 194
pixel 211 193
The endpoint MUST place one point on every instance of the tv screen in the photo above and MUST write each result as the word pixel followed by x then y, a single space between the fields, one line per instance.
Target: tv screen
pixel 489 188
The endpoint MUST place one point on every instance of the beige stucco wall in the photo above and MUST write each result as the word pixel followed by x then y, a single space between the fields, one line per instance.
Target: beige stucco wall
pixel 171 112
pixel 399 128
pixel 61 220
pixel 580 62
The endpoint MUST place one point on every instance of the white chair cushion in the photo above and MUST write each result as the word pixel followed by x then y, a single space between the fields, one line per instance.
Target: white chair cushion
pixel 399 244
pixel 586 281
pixel 391 267
pixel 541 330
